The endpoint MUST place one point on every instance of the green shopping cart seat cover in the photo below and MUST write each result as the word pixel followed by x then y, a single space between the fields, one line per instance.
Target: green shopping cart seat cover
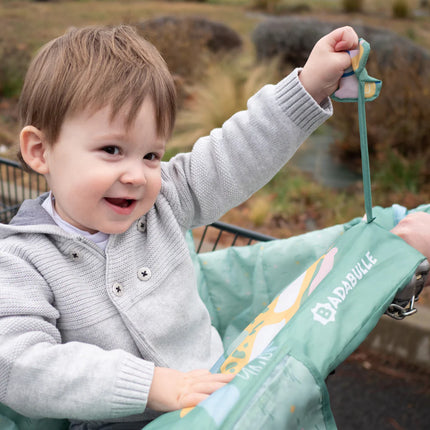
pixel 316 295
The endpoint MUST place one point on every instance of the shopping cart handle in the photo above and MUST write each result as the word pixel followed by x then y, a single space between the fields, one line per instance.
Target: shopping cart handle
pixel 404 302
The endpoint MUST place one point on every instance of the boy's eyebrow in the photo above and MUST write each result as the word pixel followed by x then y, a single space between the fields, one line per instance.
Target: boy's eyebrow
pixel 111 136
pixel 158 144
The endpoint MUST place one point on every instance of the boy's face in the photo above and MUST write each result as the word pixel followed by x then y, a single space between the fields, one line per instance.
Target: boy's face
pixel 103 175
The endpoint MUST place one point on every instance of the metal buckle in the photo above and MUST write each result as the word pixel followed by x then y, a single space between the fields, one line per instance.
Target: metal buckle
pixel 404 302
pixel 398 312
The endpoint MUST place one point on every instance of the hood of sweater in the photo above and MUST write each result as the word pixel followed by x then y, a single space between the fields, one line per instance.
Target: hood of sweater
pixel 31 218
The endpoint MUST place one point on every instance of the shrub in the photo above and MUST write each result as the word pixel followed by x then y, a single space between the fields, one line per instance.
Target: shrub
pixel 351 6
pixel 188 44
pixel 289 38
pixel 292 39
pixel 183 48
pixel 217 36
pixel 400 9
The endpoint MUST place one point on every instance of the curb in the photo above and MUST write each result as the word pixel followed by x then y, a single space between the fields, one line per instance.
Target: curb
pixel 408 339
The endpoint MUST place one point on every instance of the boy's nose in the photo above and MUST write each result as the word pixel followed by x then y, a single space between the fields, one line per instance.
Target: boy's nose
pixel 134 175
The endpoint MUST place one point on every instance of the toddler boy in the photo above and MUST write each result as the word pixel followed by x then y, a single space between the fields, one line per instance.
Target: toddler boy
pixel 100 318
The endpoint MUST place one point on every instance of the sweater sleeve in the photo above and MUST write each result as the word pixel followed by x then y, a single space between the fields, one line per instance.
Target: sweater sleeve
pixel 40 377
pixel 234 161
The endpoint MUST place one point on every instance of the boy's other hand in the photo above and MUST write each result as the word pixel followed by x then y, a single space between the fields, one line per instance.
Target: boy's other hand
pixel 415 230
pixel 172 390
pixel 327 62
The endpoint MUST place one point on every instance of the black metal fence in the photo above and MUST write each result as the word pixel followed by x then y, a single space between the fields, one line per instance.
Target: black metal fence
pixel 17 185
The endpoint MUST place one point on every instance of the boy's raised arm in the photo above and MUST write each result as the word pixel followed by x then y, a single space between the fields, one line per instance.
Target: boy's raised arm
pixel 327 61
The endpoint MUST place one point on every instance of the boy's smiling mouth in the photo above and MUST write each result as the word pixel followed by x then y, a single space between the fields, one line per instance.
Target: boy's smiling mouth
pixel 121 202
pixel 121 205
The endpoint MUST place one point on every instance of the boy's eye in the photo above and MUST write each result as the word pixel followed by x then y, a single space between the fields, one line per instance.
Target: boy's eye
pixel 151 156
pixel 112 150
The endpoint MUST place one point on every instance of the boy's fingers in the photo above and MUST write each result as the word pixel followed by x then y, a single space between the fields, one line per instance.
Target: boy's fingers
pixel 201 389
pixel 203 374
pixel 343 61
pixel 343 38
pixel 224 377
pixel 210 383
pixel 208 387
pixel 193 399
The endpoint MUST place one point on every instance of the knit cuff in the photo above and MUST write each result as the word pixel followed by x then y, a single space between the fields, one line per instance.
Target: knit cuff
pixel 132 386
pixel 299 105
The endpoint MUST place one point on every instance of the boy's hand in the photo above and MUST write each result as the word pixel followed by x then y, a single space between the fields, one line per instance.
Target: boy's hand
pixel 172 390
pixel 327 62
pixel 415 230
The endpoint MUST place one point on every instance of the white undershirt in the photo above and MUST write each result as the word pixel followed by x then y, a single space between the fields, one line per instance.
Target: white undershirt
pixel 99 238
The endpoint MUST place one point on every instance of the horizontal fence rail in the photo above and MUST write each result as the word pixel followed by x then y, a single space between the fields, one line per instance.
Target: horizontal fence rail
pixel 222 235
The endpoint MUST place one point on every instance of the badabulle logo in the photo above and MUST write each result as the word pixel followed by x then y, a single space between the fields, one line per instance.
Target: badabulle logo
pixel 326 312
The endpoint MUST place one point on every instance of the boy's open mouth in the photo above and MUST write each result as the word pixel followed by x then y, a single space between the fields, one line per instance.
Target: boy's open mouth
pixel 120 202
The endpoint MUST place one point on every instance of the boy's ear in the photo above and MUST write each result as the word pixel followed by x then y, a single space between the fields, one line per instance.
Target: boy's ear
pixel 33 148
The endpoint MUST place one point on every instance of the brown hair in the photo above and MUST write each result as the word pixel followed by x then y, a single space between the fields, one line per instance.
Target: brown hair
pixel 94 67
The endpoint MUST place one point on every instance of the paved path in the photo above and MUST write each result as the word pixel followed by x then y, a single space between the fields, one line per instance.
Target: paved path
pixel 373 392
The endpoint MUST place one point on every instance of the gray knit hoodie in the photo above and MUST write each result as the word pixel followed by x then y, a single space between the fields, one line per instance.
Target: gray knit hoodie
pixel 81 329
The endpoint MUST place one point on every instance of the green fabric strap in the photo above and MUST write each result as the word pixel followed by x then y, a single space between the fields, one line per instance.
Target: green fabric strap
pixel 357 86
pixel 365 167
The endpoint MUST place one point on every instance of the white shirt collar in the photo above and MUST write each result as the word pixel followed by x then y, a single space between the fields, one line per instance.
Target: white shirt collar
pixel 99 238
